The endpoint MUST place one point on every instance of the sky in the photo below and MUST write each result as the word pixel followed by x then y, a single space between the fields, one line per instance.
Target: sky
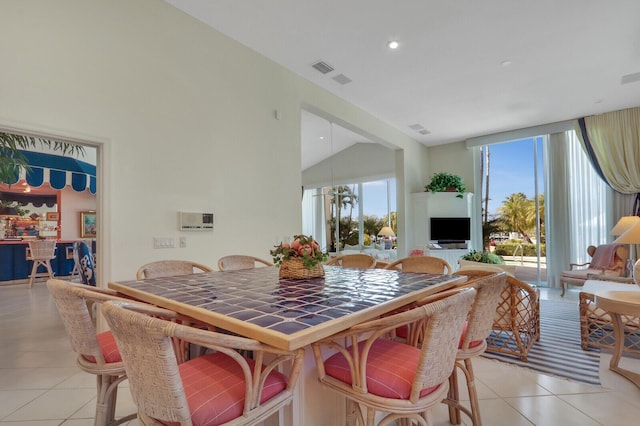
pixel 512 170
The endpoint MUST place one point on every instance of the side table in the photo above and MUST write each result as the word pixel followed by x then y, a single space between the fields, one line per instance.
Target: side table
pixel 619 303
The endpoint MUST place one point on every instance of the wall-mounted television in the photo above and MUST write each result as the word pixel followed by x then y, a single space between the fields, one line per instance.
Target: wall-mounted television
pixel 450 229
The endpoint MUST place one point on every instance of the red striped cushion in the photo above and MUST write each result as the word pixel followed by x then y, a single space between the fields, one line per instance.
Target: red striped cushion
pixel 391 367
pixel 214 386
pixel 109 349
pixel 471 344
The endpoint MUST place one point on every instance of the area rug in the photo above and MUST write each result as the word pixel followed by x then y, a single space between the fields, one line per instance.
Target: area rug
pixel 558 353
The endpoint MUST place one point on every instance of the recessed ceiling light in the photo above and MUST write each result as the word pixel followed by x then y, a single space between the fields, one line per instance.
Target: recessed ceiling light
pixel 321 137
pixel 393 44
pixel 505 63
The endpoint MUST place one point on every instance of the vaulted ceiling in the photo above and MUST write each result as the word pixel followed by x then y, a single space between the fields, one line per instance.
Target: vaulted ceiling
pixel 462 68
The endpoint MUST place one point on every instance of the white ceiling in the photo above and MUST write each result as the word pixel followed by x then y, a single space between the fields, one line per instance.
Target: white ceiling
pixel 566 58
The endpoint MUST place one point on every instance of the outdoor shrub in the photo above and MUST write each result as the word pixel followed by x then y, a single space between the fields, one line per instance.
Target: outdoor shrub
pixel 508 248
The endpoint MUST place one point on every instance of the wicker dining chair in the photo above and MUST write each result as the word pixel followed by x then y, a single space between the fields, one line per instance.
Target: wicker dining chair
pixel 399 379
pixel 356 260
pixel 237 262
pixel 421 264
pixel 41 252
pixel 474 343
pixel 170 268
pixel 97 352
pixel 219 388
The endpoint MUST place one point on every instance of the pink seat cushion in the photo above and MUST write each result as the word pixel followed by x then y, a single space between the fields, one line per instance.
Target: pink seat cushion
pixel 391 367
pixel 472 344
pixel 214 386
pixel 109 349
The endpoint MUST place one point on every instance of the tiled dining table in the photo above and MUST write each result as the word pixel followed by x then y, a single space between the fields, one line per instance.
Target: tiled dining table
pixel 289 314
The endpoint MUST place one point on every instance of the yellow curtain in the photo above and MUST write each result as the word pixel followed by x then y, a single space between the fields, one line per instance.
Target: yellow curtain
pixel 613 145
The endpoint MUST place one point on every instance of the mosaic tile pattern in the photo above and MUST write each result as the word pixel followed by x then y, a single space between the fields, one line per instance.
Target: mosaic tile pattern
pixel 259 297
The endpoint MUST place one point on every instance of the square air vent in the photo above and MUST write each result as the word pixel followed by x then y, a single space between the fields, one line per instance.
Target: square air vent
pixel 323 67
pixel 342 79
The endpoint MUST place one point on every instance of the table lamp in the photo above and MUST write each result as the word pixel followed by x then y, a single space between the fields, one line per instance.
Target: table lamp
pixel 624 224
pixel 387 233
pixel 629 236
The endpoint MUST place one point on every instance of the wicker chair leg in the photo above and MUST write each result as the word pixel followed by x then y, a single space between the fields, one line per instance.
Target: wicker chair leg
pixel 454 395
pixel 473 393
pixel 106 401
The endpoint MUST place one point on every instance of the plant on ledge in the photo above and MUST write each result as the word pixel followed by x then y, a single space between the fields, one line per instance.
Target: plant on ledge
pixel 446 182
pixel 483 257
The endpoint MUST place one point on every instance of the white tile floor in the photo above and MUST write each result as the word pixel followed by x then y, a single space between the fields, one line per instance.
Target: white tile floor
pixel 41 386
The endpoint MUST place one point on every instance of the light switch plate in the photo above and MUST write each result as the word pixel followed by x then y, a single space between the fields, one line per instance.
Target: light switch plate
pixel 163 242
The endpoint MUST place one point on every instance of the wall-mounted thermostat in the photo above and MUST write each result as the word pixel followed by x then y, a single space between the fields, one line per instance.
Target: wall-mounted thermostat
pixel 195 221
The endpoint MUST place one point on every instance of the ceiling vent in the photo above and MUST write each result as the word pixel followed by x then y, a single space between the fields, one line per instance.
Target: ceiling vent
pixel 323 67
pixel 419 128
pixel 342 79
pixel 630 78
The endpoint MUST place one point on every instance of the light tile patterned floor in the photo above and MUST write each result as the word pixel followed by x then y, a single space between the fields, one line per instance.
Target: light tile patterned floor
pixel 41 386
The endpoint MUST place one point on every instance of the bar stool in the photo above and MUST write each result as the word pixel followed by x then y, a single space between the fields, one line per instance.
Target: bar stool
pixel 41 252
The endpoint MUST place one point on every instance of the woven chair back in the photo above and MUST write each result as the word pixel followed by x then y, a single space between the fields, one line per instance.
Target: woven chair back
pixel 151 363
pixel 356 260
pixel 170 268
pixel 237 262
pixel 483 310
pixel 42 249
pixel 71 302
pixel 422 265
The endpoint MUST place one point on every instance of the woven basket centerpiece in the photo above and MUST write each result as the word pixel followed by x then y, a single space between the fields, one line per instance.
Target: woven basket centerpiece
pixel 300 259
pixel 295 269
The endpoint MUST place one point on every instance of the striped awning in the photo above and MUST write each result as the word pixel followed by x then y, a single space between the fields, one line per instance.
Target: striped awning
pixel 58 172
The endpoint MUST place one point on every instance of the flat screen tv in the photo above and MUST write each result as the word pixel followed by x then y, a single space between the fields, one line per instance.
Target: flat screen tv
pixel 450 229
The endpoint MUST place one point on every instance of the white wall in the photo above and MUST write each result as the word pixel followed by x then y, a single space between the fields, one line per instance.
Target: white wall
pixel 362 162
pixel 184 117
pixel 72 204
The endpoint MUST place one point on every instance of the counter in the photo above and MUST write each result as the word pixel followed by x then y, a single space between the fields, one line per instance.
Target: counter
pixel 15 266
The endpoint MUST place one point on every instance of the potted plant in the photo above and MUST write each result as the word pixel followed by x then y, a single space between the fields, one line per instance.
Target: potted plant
pixel 446 182
pixel 474 258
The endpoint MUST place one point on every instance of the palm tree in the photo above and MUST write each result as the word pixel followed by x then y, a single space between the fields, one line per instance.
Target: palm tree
pixel 516 213
pixel 339 197
pixel 12 160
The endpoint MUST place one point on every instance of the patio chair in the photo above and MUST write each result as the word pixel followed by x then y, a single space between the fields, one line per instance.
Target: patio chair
pixel 362 261
pixel 516 322
pixel 606 259
pixel 596 324
pixel 421 264
pixel 97 352
pixel 399 379
pixel 237 262
pixel 170 268
pixel 219 388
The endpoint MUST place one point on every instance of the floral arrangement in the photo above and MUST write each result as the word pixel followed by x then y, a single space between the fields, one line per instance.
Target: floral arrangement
pixel 483 257
pixel 302 247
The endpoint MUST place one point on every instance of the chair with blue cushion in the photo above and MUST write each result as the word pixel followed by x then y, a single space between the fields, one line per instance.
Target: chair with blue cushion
pixel 83 258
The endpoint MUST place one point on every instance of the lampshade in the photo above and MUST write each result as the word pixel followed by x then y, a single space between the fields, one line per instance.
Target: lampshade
pixel 386 232
pixel 630 236
pixel 624 224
